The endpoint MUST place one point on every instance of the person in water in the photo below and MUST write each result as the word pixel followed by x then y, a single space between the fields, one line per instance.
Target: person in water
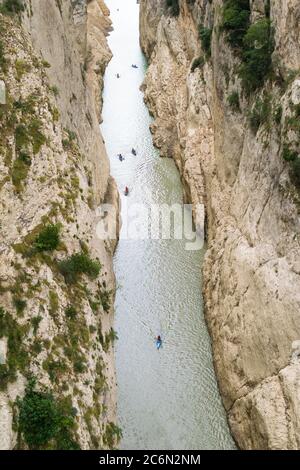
pixel 133 151
pixel 158 339
pixel 118 75
pixel 121 158
pixel 126 191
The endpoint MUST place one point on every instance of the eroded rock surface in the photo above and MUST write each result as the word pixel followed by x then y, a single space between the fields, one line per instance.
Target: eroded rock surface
pixel 54 170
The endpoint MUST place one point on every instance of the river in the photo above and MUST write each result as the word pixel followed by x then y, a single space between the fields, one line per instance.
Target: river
pixel 167 399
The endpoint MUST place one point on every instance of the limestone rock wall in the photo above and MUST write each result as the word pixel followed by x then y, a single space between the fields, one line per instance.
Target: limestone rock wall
pixel 54 170
pixel 251 269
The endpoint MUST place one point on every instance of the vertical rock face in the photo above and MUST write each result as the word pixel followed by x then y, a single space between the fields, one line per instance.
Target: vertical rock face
pixel 56 319
pixel 238 153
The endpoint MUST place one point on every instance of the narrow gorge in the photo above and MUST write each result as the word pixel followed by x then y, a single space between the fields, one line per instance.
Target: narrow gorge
pixel 136 341
pixel 224 88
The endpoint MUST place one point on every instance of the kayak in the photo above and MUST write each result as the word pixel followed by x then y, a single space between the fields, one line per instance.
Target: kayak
pixel 158 344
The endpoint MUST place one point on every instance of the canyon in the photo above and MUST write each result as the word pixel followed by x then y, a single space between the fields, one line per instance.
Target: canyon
pixel 237 153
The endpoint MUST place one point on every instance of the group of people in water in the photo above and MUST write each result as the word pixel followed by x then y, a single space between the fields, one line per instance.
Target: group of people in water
pixel 133 151
pixel 134 66
pixel 121 158
pixel 158 339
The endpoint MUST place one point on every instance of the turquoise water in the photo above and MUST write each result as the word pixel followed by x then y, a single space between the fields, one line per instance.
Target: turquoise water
pixel 167 399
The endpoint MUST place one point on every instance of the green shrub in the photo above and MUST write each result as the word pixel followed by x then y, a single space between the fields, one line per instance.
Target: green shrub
pixel 205 35
pixel 48 238
pixel 21 137
pixel 79 263
pixel 22 67
pixel 27 106
pixel 236 20
pixel 71 137
pixel 105 300
pixel 260 113
pixel 31 134
pixel 234 101
pixel 5 376
pixel 12 7
pixel 197 63
pixel 20 170
pixel 3 61
pixel 278 114
pixel 71 312
pixel 112 435
pixel 268 8
pixel 55 90
pixel 35 321
pixel 288 154
pixel 109 339
pixel 17 358
pixel 293 121
pixel 295 171
pixel 20 305
pixel 79 366
pixel 46 64
pixel 293 157
pixel 45 422
pixel 174 7
pixel 257 55
pixel 55 368
pixel 37 137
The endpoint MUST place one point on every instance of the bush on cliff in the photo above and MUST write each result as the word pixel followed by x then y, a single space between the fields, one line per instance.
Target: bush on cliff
pixel 236 20
pixel 45 422
pixel 79 263
pixel 12 7
pixel 3 61
pixel 174 7
pixel 205 35
pixel 295 171
pixel 48 238
pixel 257 55
pixel 234 101
pixel 260 113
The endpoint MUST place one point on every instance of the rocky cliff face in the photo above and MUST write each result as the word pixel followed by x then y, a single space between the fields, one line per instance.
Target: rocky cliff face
pixel 56 278
pixel 233 131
